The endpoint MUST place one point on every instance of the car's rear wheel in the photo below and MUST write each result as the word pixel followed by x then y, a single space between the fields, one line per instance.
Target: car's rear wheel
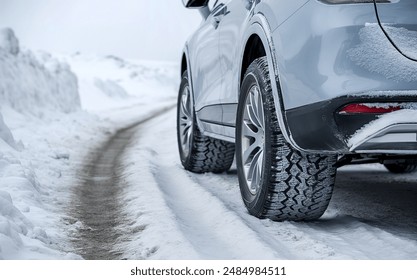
pixel 400 168
pixel 198 152
pixel 276 180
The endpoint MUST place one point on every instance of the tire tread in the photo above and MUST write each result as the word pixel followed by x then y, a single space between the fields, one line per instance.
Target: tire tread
pixel 300 184
pixel 207 154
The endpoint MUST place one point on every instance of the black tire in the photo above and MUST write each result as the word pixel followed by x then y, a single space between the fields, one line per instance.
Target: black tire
pixel 202 153
pixel 401 168
pixel 293 186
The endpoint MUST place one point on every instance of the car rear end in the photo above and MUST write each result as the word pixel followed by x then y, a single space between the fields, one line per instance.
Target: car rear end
pixel 348 76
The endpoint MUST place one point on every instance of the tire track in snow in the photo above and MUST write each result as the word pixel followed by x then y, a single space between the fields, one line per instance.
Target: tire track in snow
pixel 210 212
pixel 213 230
pixel 340 234
pixel 282 237
pixel 97 209
pixel 203 216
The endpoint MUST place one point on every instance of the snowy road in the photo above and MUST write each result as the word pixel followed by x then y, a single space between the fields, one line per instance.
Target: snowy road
pixel 136 202
pixel 96 200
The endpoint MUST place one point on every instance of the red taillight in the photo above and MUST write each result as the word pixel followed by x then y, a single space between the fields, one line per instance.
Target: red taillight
pixel 360 108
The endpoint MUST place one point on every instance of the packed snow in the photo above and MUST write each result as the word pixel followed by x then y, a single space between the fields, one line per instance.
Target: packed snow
pixel 376 54
pixel 387 105
pixel 59 112
pixel 403 38
pixel 403 116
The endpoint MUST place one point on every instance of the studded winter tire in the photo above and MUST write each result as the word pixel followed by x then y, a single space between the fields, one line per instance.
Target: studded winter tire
pixel 276 181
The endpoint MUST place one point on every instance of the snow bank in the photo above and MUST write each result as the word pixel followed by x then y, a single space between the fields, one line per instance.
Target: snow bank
pixel 25 225
pixel 111 82
pixel 34 84
pixel 8 41
pixel 111 88
pixel 13 224
pixel 5 134
pixel 34 89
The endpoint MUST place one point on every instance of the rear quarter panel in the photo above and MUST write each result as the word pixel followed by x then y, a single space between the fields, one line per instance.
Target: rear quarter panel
pixel 326 51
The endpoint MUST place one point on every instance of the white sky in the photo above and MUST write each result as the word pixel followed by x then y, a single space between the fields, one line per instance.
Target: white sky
pixel 139 29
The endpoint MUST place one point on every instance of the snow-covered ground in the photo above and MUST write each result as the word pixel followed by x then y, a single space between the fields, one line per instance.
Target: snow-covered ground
pixel 371 216
pixel 52 111
pixel 62 116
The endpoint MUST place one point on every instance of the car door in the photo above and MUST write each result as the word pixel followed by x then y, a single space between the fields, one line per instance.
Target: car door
pixel 206 69
pixel 231 28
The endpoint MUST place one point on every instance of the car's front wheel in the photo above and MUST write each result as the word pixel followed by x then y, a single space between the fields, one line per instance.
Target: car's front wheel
pixel 198 153
pixel 276 180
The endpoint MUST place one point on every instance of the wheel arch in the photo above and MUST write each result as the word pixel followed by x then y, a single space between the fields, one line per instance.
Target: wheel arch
pixel 259 35
pixel 254 49
pixel 186 66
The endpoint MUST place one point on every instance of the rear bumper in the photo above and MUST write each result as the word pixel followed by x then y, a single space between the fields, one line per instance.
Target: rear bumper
pixel 398 138
pixel 320 128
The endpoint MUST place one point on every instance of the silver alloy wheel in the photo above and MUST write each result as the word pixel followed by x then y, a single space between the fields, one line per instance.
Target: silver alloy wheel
pixel 186 121
pixel 253 139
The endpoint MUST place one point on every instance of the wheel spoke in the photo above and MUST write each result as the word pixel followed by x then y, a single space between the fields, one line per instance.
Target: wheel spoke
pixel 186 109
pixel 248 153
pixel 252 111
pixel 260 161
pixel 186 133
pixel 248 130
pixel 253 135
pixel 186 120
pixel 256 110
pixel 255 171
pixel 253 165
pixel 185 106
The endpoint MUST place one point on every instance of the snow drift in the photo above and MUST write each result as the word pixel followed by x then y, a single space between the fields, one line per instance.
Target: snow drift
pixel 32 87
pixel 33 84
pixel 118 82
pixel 8 41
pixel 5 134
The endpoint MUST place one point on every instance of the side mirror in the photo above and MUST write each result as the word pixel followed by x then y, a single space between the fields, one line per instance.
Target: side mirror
pixel 195 3
pixel 201 5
